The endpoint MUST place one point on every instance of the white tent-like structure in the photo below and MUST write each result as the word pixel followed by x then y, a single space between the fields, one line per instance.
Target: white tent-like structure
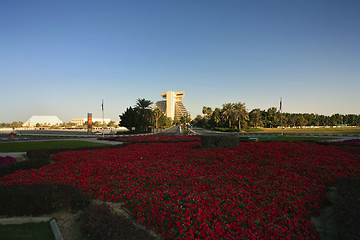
pixel 48 120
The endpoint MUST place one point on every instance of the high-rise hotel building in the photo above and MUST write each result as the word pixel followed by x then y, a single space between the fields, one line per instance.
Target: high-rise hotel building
pixel 173 106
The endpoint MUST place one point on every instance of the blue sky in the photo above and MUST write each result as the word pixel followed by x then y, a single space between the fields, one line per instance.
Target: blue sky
pixel 62 57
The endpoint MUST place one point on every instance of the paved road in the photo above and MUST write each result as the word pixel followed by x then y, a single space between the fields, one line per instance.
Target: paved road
pixel 175 130
pixel 33 135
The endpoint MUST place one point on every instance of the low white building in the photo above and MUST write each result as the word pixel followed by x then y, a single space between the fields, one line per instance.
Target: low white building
pixel 81 121
pixel 42 120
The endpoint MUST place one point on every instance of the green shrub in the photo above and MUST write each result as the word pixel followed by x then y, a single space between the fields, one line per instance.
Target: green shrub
pixel 32 164
pixel 101 223
pixel 254 130
pixel 16 200
pixel 219 141
pixel 226 129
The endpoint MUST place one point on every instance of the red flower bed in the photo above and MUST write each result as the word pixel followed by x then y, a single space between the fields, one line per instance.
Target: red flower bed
pixel 155 138
pixel 254 191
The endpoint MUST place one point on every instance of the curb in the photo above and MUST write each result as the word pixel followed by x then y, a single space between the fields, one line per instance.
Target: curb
pixel 55 229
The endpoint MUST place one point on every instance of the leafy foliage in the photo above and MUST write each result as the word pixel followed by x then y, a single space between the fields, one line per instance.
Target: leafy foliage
pixel 129 119
pixel 32 164
pixel 270 118
pixel 139 118
pixel 219 141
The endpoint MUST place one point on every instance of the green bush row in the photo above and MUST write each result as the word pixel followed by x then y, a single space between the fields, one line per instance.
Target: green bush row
pixel 226 129
pixel 33 164
pixel 36 199
pixel 253 130
pixel 219 141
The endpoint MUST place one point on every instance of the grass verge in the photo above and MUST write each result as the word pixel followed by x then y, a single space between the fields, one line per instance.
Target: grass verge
pixel 320 130
pixel 294 139
pixel 25 146
pixel 29 231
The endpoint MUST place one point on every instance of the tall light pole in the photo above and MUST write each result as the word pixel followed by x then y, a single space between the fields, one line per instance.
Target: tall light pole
pixel 281 116
pixel 102 107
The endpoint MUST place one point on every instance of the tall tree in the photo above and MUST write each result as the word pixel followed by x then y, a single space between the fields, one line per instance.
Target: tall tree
pixel 215 118
pixel 255 117
pixel 157 114
pixel 228 112
pixel 272 116
pixel 129 119
pixel 207 111
pixel 240 113
pixel 199 121
pixel 143 108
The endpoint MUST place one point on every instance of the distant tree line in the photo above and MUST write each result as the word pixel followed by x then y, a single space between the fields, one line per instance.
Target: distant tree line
pixel 11 125
pixel 235 116
pixel 57 126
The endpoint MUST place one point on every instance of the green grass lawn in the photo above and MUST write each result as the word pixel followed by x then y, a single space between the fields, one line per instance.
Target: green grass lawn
pixel 340 130
pixel 28 231
pixel 25 146
pixel 293 139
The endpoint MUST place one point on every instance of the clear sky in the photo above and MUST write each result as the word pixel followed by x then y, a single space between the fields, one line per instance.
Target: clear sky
pixel 62 57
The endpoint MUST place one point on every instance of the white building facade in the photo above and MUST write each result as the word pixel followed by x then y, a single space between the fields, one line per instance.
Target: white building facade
pixel 173 106
pixel 81 121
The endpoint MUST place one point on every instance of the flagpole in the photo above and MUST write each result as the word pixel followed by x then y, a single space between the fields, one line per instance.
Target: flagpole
pixel 281 116
pixel 102 107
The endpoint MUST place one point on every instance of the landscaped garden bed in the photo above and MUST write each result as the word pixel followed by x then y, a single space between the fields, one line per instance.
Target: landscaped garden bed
pixel 256 190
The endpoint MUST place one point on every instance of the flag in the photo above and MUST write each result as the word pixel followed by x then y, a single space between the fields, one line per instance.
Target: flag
pixel 102 105
pixel 280 103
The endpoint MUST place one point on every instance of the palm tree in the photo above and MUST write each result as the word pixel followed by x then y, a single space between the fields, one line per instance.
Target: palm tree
pixel 216 116
pixel 142 104
pixel 157 114
pixel 228 112
pixel 207 110
pixel 143 108
pixel 255 116
pixel 240 112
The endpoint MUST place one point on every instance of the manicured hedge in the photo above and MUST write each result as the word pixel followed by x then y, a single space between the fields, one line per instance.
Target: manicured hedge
pixel 101 223
pixel 219 141
pixel 226 129
pixel 32 164
pixel 17 200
